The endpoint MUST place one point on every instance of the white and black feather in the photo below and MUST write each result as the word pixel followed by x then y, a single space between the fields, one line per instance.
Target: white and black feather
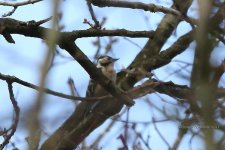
pixel 106 64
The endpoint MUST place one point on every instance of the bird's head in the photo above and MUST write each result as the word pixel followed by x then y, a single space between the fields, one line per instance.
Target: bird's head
pixel 105 61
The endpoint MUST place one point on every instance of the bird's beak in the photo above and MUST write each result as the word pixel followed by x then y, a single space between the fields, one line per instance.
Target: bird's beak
pixel 115 59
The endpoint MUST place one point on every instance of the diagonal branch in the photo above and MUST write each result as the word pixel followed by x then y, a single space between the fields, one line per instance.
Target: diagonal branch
pixel 176 48
pixel 97 24
pixel 146 58
pixel 94 73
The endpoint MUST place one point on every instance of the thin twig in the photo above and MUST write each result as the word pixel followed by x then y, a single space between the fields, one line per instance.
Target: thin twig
pixel 126 126
pixel 106 130
pixel 97 24
pixel 125 147
pixel 142 139
pixel 159 133
pixel 19 3
pixel 17 111
pixel 38 23
pixel 97 43
pixel 35 87
pixel 10 12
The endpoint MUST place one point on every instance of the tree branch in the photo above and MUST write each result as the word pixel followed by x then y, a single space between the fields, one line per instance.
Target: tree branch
pixel 17 111
pixel 10 12
pixel 97 24
pixel 19 3
pixel 168 54
pixel 94 73
pixel 146 58
pixel 146 7
pixel 10 26
pixel 117 32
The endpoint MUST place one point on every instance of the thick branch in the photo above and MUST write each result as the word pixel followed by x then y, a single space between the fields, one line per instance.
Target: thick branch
pixel 10 26
pixel 218 17
pixel 146 58
pixel 165 57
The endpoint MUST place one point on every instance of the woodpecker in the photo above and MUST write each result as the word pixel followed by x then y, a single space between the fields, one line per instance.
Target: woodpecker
pixel 106 64
pixel 86 109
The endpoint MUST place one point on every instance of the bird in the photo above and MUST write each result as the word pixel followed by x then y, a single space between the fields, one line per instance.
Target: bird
pixel 106 65
pixel 88 115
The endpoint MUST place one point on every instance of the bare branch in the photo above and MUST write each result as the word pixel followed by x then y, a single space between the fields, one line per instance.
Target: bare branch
pixel 148 87
pixel 123 140
pixel 142 139
pixel 183 129
pixel 35 87
pixel 19 3
pixel 106 130
pixel 17 111
pixel 94 73
pixel 146 7
pixel 11 12
pixel 97 24
pixel 160 134
pixel 117 32
pixel 38 23
pixel 10 26
pixel 166 56
pixel 146 58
